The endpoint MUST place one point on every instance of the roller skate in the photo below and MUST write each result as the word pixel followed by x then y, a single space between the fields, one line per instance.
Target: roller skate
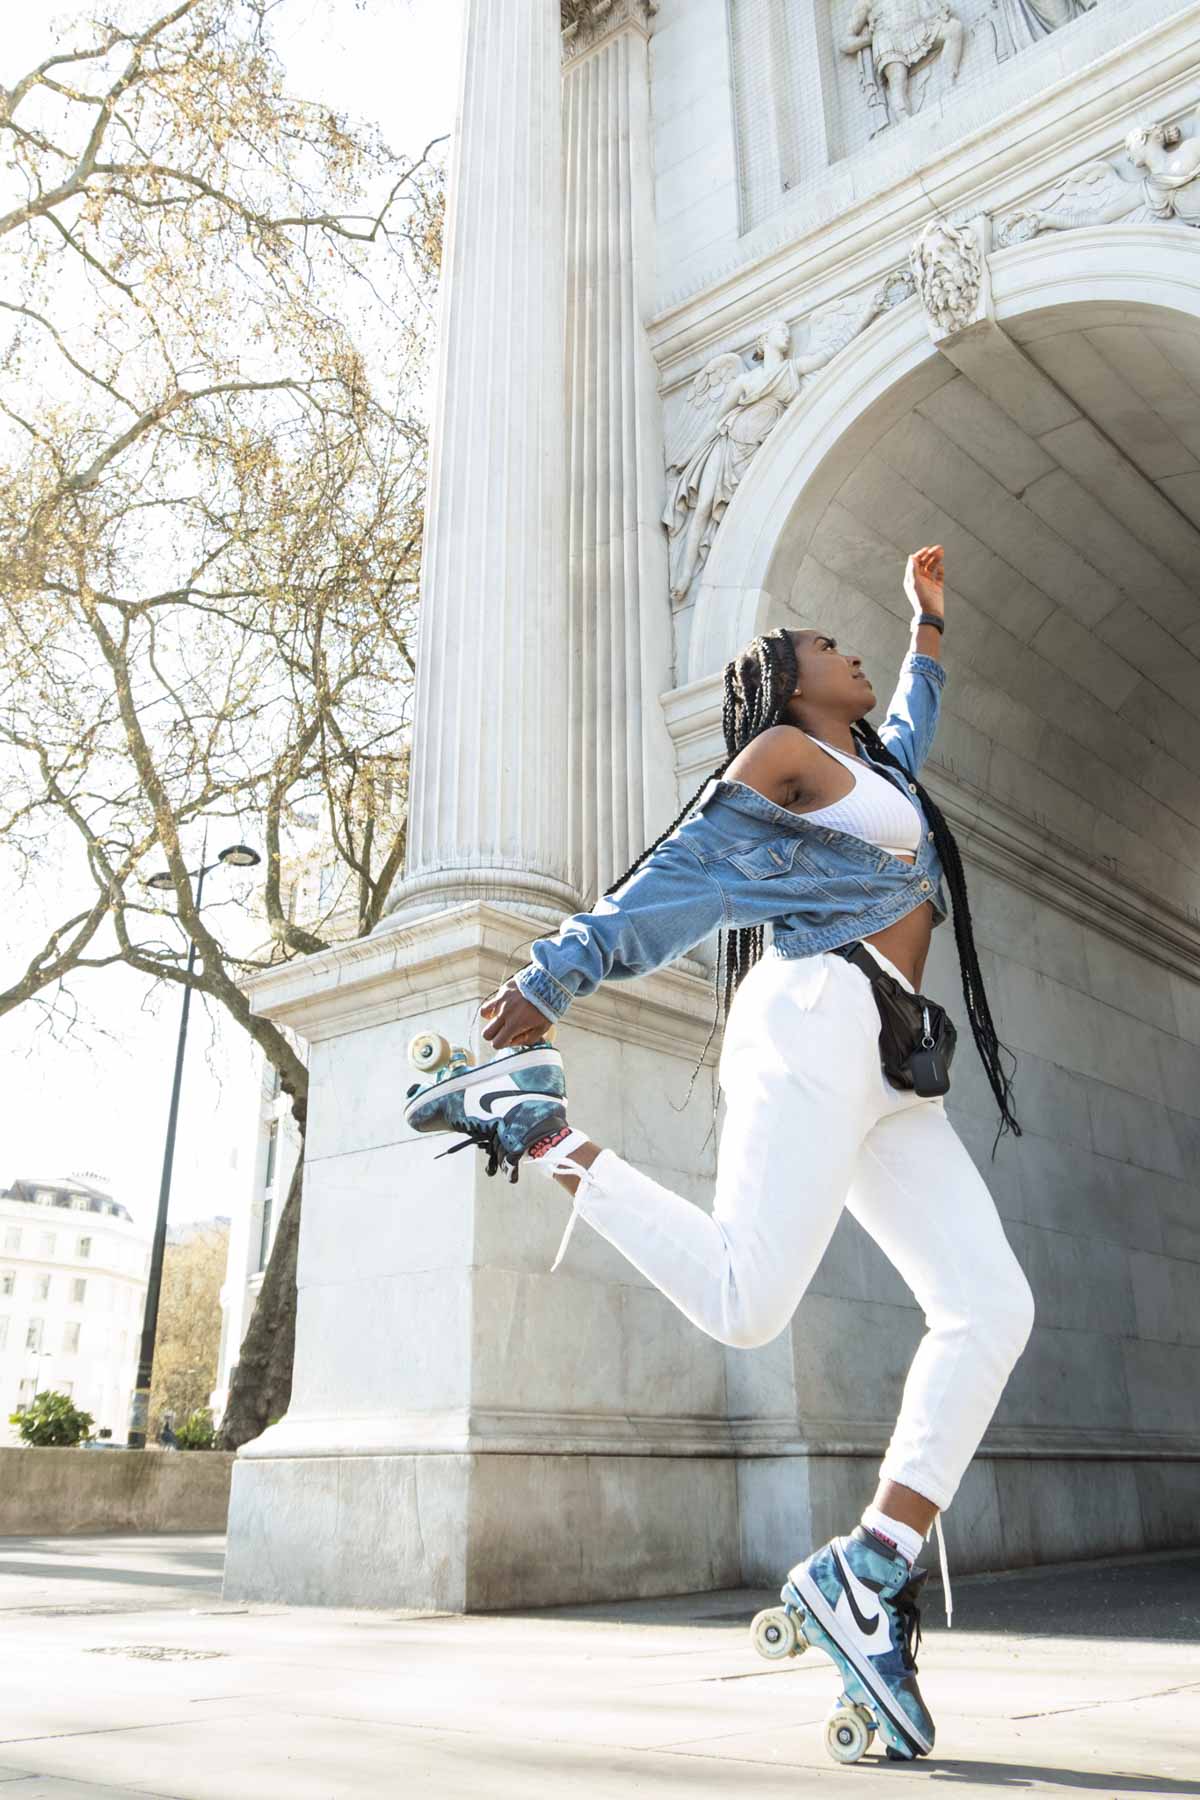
pixel 857 1601
pixel 505 1106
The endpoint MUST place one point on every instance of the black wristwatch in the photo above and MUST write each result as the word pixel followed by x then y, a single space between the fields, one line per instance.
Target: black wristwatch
pixel 932 619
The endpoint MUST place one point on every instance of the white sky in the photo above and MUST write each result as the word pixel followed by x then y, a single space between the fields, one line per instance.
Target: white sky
pixel 100 1103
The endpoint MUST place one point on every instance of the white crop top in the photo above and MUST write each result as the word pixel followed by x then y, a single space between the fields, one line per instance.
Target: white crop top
pixel 874 809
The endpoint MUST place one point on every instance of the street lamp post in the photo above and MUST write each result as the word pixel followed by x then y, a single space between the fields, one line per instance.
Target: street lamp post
pixel 237 856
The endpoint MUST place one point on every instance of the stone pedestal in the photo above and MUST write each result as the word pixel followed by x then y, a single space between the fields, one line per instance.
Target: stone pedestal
pixel 467 1430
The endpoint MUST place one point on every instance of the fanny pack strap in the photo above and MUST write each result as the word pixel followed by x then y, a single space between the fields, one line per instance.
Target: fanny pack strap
pixel 862 959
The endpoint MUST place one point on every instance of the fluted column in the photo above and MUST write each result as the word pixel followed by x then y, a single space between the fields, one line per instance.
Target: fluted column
pixel 621 789
pixel 490 736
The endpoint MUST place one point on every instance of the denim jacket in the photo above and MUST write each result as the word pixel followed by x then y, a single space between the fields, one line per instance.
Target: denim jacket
pixel 738 859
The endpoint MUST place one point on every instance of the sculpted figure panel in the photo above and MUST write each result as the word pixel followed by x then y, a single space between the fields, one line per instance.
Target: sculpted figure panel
pixel 731 409
pixel 892 37
pixel 1166 186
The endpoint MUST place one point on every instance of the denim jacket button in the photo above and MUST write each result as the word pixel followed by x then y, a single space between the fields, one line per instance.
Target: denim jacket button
pixel 912 787
pixel 929 835
pixel 925 887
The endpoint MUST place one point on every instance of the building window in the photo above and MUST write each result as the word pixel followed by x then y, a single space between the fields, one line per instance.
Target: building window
pixel 272 1142
pixel 46 1197
pixel 26 1391
pixel 81 1203
pixel 83 1248
pixel 47 1242
pixel 274 1084
pixel 33 1335
pixel 41 1287
pixel 71 1336
pixel 3 1332
pixel 7 1282
pixel 264 1241
pixel 12 1237
pixel 78 1290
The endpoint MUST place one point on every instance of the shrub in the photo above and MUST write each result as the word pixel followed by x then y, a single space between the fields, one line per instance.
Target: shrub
pixel 51 1420
pixel 197 1431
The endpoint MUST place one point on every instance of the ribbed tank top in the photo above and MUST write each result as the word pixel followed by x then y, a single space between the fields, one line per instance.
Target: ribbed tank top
pixel 874 809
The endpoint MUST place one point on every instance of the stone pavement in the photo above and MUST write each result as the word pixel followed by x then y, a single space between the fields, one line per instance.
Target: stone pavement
pixel 123 1673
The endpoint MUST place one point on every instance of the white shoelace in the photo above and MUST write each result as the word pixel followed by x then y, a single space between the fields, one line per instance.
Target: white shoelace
pixel 945 1566
pixel 557 1164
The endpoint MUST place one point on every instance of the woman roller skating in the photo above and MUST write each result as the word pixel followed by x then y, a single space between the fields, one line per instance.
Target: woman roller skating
pixel 818 825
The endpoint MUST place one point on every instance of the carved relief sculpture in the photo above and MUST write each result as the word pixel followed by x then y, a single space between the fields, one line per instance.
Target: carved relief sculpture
pixel 732 409
pixel 947 265
pixel 1024 22
pixel 1166 187
pixel 892 37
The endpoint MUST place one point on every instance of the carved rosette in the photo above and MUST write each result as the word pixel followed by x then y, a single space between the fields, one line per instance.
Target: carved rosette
pixel 948 265
pixel 586 23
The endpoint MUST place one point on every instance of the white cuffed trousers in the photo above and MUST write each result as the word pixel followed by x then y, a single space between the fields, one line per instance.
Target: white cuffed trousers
pixel 812 1125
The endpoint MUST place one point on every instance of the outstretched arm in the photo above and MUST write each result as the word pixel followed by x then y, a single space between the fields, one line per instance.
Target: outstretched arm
pixel 911 721
pixel 667 907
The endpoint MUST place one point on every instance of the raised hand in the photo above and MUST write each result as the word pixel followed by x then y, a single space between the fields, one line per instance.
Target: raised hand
pixel 512 1019
pixel 924 580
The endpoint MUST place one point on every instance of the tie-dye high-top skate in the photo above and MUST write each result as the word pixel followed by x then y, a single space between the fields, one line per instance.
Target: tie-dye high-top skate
pixel 505 1106
pixel 856 1600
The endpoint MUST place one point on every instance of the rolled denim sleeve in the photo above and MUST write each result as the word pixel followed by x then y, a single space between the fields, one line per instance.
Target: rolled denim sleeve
pixel 669 906
pixel 912 714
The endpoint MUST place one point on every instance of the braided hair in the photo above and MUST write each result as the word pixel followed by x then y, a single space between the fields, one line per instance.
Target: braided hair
pixel 759 683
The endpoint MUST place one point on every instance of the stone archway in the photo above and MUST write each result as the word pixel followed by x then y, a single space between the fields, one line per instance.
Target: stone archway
pixel 1055 449
pixel 1105 275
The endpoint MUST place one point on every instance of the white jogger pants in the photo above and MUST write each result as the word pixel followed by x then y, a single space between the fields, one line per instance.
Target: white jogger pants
pixel 812 1125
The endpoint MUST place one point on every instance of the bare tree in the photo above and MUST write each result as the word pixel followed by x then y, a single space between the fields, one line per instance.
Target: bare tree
pixel 215 304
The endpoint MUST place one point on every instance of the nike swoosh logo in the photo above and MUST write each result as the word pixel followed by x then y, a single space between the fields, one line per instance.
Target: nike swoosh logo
pixel 486 1101
pixel 865 1625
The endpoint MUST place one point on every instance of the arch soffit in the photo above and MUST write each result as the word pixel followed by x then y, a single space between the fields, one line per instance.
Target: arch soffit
pixel 881 377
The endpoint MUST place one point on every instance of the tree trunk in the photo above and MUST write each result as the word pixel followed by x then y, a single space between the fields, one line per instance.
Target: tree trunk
pixel 261 1386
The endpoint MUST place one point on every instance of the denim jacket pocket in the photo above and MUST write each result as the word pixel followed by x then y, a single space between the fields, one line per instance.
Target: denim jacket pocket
pixel 777 857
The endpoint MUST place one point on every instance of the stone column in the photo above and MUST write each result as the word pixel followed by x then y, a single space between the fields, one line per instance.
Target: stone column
pixel 490 737
pixel 621 789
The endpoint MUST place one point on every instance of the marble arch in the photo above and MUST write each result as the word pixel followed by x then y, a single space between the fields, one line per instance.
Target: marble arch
pixel 1154 268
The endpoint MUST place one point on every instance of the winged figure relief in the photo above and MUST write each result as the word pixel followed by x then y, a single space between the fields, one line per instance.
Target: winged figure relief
pixel 732 407
pixel 1165 186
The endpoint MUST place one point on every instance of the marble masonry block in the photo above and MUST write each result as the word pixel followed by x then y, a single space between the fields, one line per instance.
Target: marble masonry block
pixel 774 1515
pixel 1169 1494
pixel 550 1343
pixel 365 1075
pixel 1075 1380
pixel 1163 1381
pixel 760 1384
pixel 986 433
pixel 546 1530
pixel 383 1211
pixel 839 1487
pixel 971 1523
pixel 1053 1510
pixel 350 1531
pixel 394 1343
pixel 852 1358
pixel 1080 1283
pixel 1166 1293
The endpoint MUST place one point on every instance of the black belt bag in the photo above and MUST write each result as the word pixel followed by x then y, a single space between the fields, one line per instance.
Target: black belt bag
pixel 916 1035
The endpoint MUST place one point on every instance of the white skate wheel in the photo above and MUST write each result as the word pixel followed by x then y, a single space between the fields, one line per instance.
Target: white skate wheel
pixel 774 1634
pixel 848 1733
pixel 429 1051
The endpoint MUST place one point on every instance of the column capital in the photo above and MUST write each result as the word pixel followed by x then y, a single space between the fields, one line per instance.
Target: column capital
pixel 586 23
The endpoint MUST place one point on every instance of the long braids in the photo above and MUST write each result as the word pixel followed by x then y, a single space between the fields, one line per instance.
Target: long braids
pixel 759 683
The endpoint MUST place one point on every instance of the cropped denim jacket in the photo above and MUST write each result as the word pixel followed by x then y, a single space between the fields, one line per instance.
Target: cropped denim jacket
pixel 738 859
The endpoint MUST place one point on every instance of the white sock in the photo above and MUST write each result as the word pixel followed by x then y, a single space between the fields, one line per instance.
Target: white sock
pixel 895 1532
pixel 565 1144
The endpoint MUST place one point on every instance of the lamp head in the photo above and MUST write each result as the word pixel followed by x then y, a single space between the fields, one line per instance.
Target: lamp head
pixel 239 856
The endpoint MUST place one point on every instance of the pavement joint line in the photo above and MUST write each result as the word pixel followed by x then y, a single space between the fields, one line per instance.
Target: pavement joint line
pixel 54 1737
pixel 1052 1712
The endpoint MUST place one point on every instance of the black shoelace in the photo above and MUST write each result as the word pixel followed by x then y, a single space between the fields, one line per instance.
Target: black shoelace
pixel 484 1137
pixel 909 1614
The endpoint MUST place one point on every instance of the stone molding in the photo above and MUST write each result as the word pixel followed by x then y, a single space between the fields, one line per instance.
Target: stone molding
pixel 588 23
pixel 461 954
pixel 500 1432
pixel 997 837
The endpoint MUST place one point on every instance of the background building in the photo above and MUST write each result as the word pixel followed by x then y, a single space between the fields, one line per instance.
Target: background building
pixel 785 289
pixel 72 1293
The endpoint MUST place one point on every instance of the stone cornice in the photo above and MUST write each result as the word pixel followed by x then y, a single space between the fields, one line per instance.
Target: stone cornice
pixel 586 23
pixel 515 1432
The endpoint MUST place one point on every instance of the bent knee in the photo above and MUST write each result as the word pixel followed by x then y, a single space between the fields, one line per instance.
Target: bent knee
pixel 1007 1317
